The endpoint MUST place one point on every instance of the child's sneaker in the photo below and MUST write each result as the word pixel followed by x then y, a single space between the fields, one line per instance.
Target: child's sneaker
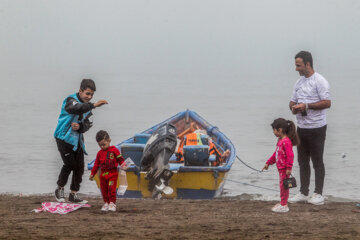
pixel 105 207
pixel 73 197
pixel 316 199
pixel 112 207
pixel 59 194
pixel 280 209
pixel 298 198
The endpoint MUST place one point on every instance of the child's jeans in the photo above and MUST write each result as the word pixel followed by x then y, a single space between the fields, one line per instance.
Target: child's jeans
pixel 284 193
pixel 108 182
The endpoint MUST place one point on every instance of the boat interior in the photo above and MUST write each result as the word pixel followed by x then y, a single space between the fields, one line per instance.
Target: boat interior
pixel 195 156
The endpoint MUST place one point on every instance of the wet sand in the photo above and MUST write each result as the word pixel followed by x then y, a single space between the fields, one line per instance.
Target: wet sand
pixel 225 218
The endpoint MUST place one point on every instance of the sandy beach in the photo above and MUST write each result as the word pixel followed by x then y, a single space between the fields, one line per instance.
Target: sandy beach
pixel 224 218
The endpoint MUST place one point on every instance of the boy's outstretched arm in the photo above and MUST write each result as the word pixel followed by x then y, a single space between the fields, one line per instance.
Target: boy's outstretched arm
pixel 74 107
pixel 100 103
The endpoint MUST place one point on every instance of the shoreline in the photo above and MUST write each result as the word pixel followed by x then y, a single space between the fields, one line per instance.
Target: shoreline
pixel 241 197
pixel 222 218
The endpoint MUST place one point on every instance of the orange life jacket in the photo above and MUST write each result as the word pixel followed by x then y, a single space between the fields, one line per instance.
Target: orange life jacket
pixel 195 139
pixel 189 140
pixel 213 150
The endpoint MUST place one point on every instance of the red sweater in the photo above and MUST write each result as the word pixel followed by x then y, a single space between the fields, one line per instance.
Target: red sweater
pixel 108 159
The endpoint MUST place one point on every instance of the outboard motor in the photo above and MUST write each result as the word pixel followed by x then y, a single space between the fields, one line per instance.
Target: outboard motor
pixel 157 152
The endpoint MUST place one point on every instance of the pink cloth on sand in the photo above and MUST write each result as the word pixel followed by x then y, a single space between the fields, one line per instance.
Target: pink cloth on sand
pixel 60 208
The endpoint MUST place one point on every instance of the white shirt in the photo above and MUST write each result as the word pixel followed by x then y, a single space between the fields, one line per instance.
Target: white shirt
pixel 310 90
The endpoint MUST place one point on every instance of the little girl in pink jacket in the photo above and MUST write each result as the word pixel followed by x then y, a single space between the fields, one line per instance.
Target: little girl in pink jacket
pixel 283 156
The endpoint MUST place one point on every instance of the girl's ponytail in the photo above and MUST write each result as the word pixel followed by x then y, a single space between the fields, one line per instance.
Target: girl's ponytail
pixel 291 133
pixel 289 128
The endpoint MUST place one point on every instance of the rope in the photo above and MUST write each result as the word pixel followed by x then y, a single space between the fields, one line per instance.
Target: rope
pixel 248 165
pixel 248 184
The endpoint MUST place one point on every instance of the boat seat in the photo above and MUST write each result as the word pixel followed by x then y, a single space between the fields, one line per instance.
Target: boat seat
pixel 212 158
pixel 133 151
pixel 141 137
pixel 173 158
pixel 196 155
pixel 175 166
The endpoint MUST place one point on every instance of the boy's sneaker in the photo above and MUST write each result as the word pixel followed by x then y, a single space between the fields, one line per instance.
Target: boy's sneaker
pixel 280 209
pixel 112 207
pixel 298 198
pixel 105 207
pixel 59 194
pixel 73 197
pixel 316 199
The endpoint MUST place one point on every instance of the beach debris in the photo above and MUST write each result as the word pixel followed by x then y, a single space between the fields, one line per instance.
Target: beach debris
pixel 60 208
pixel 343 155
pixel 24 194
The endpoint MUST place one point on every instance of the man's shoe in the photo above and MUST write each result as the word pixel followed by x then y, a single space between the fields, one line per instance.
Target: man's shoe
pixel 105 207
pixel 112 207
pixel 298 198
pixel 73 197
pixel 280 209
pixel 316 199
pixel 59 194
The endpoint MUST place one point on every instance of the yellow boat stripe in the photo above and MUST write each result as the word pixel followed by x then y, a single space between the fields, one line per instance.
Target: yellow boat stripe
pixel 181 180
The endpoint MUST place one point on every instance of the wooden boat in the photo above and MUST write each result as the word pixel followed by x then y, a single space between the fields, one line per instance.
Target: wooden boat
pixel 188 182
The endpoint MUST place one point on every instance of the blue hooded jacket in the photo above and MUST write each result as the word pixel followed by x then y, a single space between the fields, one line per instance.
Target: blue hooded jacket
pixel 64 130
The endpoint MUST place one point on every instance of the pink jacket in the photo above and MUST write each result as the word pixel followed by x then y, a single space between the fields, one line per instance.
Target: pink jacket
pixel 283 155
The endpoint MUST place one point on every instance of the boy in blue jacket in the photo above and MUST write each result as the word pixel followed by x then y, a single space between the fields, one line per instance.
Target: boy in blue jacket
pixel 73 121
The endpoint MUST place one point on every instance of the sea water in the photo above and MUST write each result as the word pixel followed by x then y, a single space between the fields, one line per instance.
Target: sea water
pixel 242 109
pixel 230 61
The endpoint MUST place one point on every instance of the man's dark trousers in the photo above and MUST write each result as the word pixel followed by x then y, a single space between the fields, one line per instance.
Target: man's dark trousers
pixel 311 146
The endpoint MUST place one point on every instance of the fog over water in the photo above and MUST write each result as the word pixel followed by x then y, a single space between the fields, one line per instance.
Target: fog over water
pixel 230 61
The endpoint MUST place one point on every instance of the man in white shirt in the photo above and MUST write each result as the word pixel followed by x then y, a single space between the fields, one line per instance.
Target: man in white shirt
pixel 310 99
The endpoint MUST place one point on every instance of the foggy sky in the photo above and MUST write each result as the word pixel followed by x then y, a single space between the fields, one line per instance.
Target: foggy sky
pixel 177 37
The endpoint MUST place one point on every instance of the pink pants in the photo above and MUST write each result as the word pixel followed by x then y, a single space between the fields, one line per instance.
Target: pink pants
pixel 284 193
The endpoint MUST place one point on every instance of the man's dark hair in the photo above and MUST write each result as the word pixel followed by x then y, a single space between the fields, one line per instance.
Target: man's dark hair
pixel 306 57
pixel 101 135
pixel 87 83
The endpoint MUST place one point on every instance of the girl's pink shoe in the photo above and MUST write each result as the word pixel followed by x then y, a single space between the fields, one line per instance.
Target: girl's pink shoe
pixel 280 209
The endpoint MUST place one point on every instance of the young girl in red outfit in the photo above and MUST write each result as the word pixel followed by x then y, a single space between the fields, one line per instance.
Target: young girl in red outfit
pixel 283 156
pixel 107 159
